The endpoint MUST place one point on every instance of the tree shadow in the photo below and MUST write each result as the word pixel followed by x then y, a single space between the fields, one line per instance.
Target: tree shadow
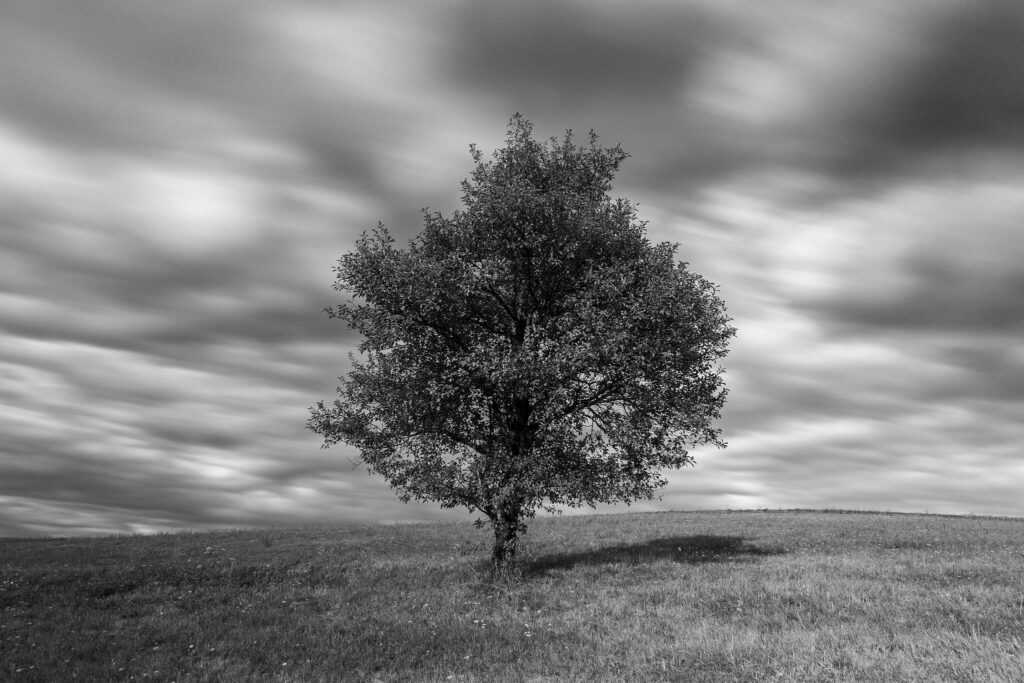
pixel 697 549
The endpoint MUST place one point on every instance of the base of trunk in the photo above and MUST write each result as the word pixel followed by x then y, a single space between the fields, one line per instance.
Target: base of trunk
pixel 506 541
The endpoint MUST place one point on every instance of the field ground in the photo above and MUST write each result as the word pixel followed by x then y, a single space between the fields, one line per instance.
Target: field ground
pixel 745 596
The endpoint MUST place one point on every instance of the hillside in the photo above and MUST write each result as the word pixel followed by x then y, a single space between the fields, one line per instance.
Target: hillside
pixel 744 596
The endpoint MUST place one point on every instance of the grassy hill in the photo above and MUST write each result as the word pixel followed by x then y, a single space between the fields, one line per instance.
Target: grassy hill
pixel 749 596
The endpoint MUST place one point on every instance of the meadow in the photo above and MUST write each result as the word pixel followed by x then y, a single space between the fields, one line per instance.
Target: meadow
pixel 679 596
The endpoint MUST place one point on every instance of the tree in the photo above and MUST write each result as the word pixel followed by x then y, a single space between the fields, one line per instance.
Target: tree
pixel 532 350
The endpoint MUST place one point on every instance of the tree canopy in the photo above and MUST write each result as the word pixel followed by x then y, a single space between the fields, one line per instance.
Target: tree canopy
pixel 531 350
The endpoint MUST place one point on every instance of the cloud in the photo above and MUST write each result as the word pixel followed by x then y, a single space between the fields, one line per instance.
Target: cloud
pixel 929 257
pixel 179 180
pixel 184 447
pixel 958 87
pixel 184 251
pixel 132 71
pixel 861 94
pixel 581 54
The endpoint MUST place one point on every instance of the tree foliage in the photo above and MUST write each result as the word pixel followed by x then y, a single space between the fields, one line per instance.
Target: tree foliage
pixel 531 350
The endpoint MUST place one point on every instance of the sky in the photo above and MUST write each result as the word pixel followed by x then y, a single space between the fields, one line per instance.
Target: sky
pixel 178 180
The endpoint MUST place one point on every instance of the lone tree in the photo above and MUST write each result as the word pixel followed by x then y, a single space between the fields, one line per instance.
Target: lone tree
pixel 532 350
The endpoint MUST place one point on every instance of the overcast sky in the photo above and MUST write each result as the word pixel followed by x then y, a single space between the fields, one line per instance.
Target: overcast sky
pixel 178 179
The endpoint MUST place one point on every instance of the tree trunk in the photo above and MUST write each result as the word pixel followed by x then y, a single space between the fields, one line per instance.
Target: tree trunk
pixel 507 528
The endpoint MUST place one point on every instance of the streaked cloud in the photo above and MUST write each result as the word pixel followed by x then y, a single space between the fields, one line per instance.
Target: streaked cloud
pixel 180 178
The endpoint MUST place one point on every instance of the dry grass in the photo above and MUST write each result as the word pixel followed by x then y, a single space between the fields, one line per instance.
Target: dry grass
pixel 795 596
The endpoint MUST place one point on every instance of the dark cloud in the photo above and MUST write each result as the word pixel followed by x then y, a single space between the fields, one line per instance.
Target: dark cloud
pixel 941 86
pixel 569 52
pixel 934 258
pixel 963 88
pixel 147 80
pixel 993 367
pixel 150 302
pixel 121 75
pixel 941 295
pixel 625 71
pixel 859 96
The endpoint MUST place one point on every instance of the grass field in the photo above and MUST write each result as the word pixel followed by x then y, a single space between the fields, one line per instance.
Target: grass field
pixel 746 596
